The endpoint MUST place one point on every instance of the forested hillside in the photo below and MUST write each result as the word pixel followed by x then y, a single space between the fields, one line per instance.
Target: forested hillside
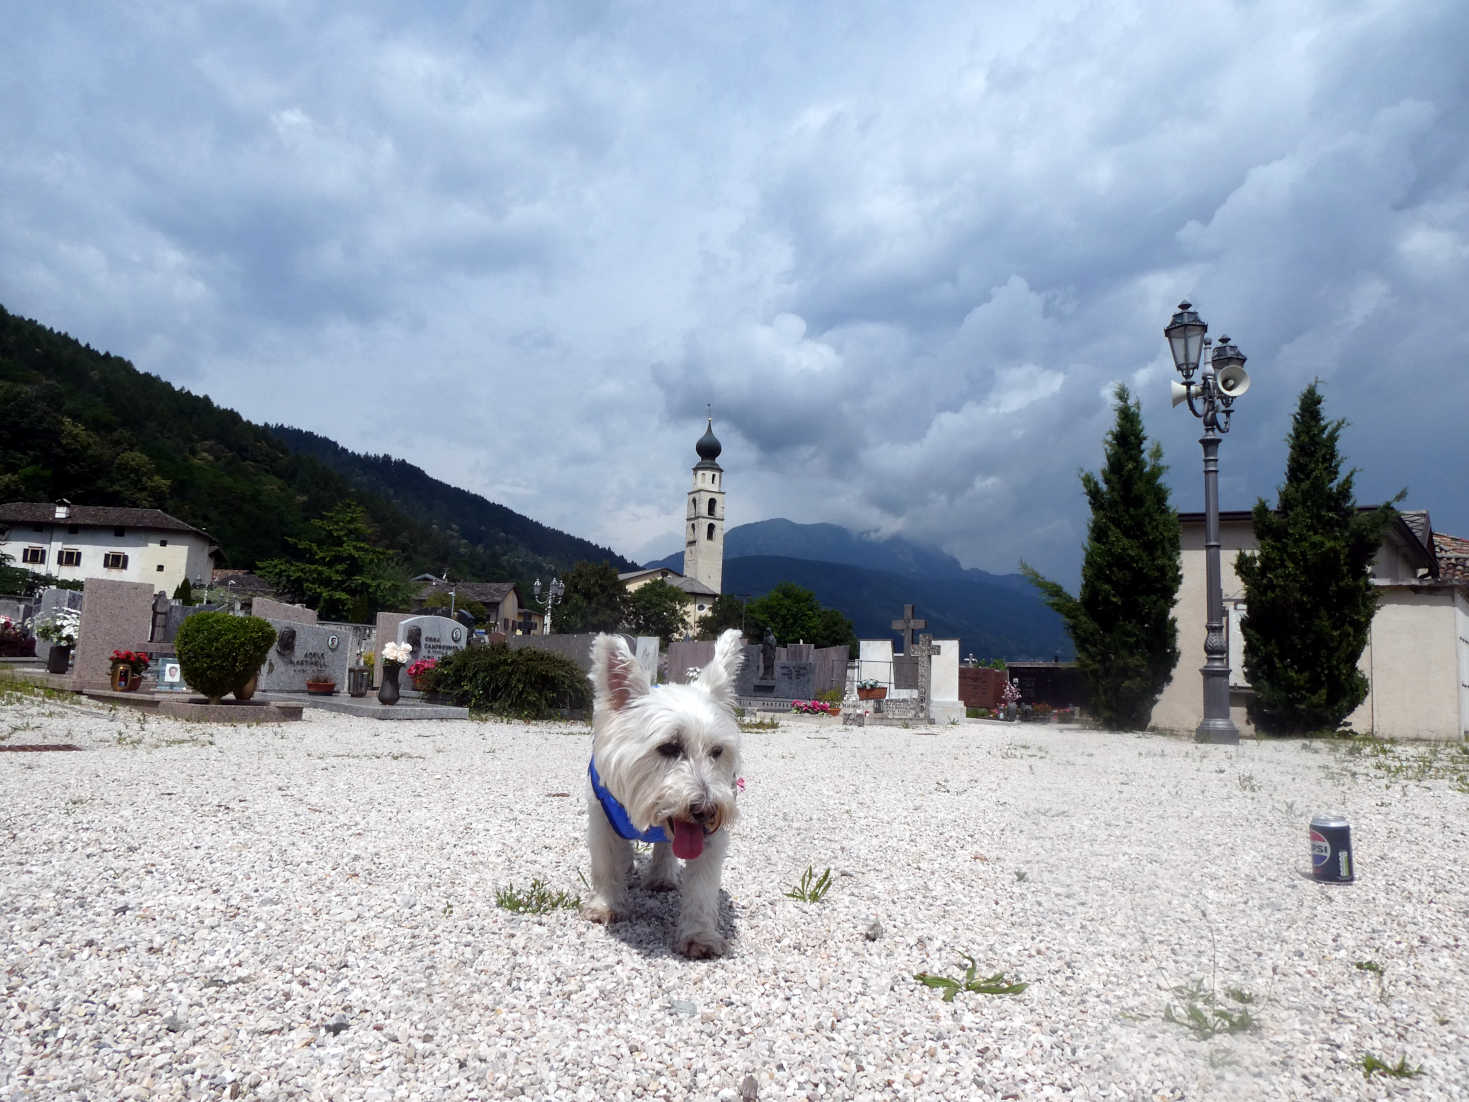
pixel 88 426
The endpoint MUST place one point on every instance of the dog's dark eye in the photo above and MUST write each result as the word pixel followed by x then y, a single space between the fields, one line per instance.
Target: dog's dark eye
pixel 671 749
pixel 716 751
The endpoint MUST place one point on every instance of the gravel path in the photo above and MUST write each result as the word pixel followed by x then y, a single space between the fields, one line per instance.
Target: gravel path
pixel 308 911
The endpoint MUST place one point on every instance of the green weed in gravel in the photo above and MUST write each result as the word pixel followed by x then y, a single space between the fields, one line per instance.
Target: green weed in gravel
pixel 812 887
pixel 1203 1014
pixel 538 899
pixel 995 984
pixel 1371 1066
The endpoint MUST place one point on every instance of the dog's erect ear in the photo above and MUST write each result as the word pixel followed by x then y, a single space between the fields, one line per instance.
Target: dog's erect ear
pixel 617 677
pixel 719 675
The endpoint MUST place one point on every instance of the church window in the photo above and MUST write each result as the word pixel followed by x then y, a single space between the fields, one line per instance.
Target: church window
pixel 710 535
pixel 711 506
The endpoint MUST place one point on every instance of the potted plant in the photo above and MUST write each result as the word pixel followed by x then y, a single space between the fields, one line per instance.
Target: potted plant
pixel 59 628
pixel 419 672
pixel 870 688
pixel 320 682
pixel 14 643
pixel 1010 699
pixel 127 670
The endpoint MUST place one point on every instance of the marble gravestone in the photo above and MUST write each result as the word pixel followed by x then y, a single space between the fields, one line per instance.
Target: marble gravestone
pixel 432 636
pixel 303 651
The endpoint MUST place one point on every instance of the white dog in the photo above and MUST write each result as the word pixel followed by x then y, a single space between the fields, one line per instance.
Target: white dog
pixel 663 769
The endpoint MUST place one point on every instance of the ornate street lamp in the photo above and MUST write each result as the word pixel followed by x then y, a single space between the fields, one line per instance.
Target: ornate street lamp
pixel 553 594
pixel 1211 399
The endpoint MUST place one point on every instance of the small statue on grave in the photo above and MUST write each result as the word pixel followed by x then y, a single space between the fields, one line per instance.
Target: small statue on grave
pixel 767 656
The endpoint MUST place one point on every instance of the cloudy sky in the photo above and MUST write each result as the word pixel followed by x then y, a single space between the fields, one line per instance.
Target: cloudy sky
pixel 903 250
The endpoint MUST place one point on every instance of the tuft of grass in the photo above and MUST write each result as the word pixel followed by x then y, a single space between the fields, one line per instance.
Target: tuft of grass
pixel 538 899
pixel 812 887
pixel 1203 1014
pixel 1247 783
pixel 759 725
pixel 1367 966
pixel 1371 1066
pixel 971 981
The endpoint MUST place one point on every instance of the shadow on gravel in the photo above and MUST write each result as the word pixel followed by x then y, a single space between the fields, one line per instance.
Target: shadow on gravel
pixel 652 917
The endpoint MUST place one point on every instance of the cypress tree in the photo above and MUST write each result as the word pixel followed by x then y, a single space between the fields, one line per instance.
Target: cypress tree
pixel 1122 625
pixel 1309 600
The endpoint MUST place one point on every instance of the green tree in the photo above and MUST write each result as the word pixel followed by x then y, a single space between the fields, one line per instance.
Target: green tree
pixel 725 612
pixel 340 571
pixel 1122 624
pixel 1309 599
pixel 183 593
pixel 658 609
pixel 594 600
pixel 794 615
pixel 14 580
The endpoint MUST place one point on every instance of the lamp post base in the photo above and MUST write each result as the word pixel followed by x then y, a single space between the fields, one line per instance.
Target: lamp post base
pixel 1221 732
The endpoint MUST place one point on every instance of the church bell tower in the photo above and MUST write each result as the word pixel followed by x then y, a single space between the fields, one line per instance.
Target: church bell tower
pixel 703 550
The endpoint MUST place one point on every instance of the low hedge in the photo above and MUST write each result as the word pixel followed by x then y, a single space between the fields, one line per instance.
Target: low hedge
pixel 522 684
pixel 218 653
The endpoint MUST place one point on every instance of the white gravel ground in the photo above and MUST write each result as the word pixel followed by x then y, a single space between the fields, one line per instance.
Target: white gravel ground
pixel 308 911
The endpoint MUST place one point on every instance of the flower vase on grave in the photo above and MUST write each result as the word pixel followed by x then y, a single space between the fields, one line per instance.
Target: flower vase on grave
pixel 59 660
pixel 122 677
pixel 387 692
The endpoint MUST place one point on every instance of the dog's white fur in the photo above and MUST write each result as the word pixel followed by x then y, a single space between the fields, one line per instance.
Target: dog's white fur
pixel 667 753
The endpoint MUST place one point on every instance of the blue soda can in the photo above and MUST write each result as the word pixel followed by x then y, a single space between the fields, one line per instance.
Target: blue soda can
pixel 1331 850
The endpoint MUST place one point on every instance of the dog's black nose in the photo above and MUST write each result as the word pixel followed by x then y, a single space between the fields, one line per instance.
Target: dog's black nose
pixel 702 814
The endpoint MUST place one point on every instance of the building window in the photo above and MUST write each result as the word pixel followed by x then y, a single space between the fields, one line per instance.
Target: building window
pixel 159 568
pixel 711 506
pixel 114 560
pixel 33 555
pixel 162 543
pixel 710 534
pixel 70 556
pixel 119 531
pixel 73 529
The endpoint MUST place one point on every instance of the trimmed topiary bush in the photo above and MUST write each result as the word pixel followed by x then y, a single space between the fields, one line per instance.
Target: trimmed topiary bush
pixel 523 684
pixel 218 652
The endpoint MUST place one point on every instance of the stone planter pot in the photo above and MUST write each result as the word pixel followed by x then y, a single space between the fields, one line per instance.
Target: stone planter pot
pixel 872 694
pixel 59 660
pixel 247 690
pixel 388 691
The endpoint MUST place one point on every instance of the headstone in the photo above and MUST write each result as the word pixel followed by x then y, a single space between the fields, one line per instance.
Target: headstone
pixel 53 597
pixel 268 608
pixel 923 653
pixel 432 636
pixel 790 680
pixel 115 616
pixel 305 651
pixel 646 649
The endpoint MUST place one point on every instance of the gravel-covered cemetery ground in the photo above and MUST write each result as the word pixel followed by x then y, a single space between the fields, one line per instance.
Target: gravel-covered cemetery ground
pixel 308 911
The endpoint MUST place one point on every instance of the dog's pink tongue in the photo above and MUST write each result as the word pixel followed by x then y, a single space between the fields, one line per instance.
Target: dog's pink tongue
pixel 688 839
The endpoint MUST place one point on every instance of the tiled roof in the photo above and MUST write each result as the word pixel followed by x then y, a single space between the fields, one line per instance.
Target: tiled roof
pixel 242 583
pixel 95 516
pixel 1453 558
pixel 691 586
pixel 489 594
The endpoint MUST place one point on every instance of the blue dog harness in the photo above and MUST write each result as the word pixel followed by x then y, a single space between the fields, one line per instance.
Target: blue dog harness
pixel 617 814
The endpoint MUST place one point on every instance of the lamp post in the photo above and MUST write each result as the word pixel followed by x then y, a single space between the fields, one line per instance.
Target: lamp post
pixel 553 594
pixel 1211 398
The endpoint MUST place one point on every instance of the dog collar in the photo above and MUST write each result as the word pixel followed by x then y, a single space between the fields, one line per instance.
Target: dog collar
pixel 617 814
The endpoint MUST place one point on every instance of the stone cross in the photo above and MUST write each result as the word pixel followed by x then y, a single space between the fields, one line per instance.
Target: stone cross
pixel 906 627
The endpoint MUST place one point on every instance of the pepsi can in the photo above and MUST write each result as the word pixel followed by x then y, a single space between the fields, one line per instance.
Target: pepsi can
pixel 1331 850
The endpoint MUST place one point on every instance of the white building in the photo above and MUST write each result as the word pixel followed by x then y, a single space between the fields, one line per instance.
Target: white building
pixel 77 542
pixel 1417 655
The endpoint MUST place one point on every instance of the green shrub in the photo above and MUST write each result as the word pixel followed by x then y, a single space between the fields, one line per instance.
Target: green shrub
pixel 973 713
pixel 524 684
pixel 218 652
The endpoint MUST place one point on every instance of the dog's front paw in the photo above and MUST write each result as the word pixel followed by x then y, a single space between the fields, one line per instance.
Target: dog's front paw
pixel 599 910
pixel 701 944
